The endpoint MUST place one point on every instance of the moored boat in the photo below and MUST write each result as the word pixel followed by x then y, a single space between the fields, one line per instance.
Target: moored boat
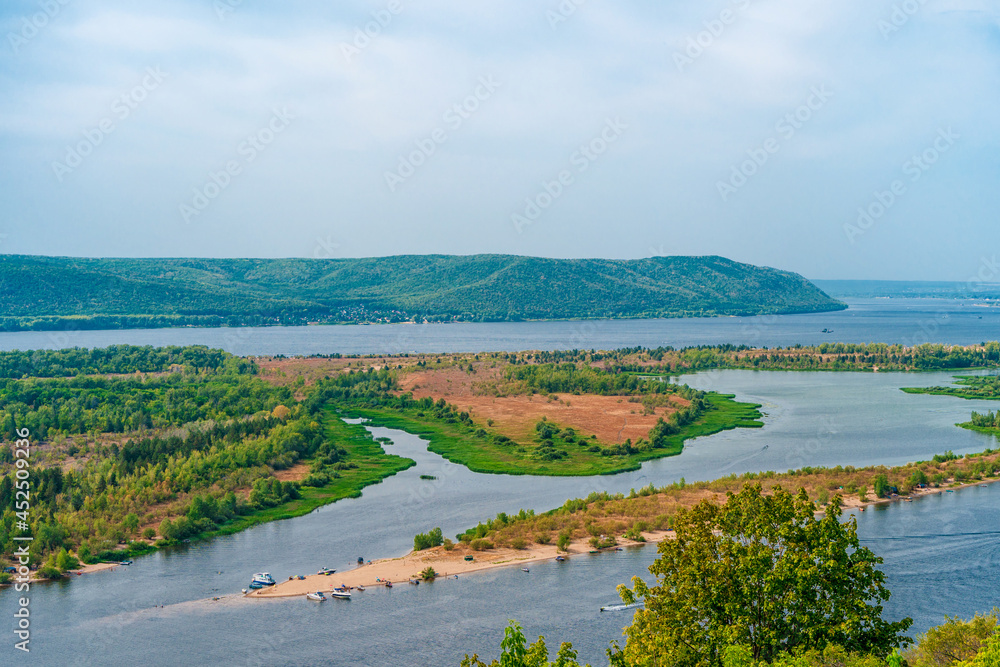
pixel 263 579
pixel 318 596
pixel 341 593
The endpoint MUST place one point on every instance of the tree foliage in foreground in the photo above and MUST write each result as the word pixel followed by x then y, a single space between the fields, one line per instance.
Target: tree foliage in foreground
pixel 515 652
pixel 760 572
pixel 953 641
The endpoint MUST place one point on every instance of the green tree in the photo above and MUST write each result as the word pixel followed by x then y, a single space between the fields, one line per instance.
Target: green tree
pixel 989 656
pixel 514 652
pixel 882 487
pixel 760 571
pixel 953 641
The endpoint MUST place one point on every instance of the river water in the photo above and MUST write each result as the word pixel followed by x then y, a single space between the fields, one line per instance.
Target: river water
pixel 160 609
pixel 907 321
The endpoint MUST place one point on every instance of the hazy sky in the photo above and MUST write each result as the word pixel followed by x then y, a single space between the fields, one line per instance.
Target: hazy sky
pixel 753 129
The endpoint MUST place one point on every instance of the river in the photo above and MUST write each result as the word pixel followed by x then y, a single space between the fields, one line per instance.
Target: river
pixel 906 321
pixel 160 609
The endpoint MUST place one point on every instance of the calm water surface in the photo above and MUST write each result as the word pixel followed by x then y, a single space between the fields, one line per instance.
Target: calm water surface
pixel 907 321
pixel 160 611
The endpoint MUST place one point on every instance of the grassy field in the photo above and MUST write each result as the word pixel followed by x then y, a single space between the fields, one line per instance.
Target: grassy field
pixel 460 445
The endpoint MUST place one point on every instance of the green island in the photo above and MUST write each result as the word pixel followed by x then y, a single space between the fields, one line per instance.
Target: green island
pixel 53 293
pixel 137 448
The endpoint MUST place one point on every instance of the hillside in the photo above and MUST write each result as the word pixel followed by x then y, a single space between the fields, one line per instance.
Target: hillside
pixel 60 292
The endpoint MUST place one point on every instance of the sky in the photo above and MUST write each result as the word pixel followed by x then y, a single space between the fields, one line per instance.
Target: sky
pixel 855 139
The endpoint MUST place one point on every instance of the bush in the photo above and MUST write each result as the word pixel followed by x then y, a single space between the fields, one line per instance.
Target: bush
pixel 543 538
pixel 428 574
pixel 481 544
pixel 519 543
pixel 565 537
pixel 49 573
pixel 149 533
pixel 448 544
pixel 603 543
pixel 882 488
pixel 427 540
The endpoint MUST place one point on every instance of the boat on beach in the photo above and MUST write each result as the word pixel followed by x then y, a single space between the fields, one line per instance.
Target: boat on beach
pixel 341 593
pixel 317 596
pixel 262 579
pixel 325 570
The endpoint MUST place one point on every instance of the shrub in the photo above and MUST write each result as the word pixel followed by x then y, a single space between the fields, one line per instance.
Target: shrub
pixel 428 574
pixel 599 543
pixel 148 533
pixel 519 543
pixel 481 544
pixel 543 538
pixel 48 572
pixel 565 537
pixel 882 487
pixel 428 540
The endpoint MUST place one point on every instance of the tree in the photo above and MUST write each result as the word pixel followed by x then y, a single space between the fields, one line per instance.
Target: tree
pixel 881 486
pixel 989 656
pixel 761 572
pixel 514 652
pixel 953 641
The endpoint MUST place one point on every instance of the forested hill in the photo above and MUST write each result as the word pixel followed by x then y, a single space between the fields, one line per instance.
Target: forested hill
pixel 60 292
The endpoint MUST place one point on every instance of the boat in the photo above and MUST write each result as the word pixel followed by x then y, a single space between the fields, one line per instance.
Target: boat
pixel 125 562
pixel 619 549
pixel 559 559
pixel 318 596
pixel 254 585
pixel 415 582
pixel 469 558
pixel 388 584
pixel 325 570
pixel 524 569
pixel 341 593
pixel 361 588
pixel 262 578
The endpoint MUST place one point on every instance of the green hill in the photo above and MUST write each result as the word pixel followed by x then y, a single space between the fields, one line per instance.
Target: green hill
pixel 61 292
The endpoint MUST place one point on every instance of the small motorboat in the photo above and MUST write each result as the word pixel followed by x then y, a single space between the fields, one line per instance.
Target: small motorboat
pixel 262 578
pixel 524 569
pixel 361 588
pixel 254 585
pixel 388 584
pixel 341 593
pixel 559 559
pixel 125 562
pixel 317 596
pixel 414 582
pixel 325 570
pixel 619 549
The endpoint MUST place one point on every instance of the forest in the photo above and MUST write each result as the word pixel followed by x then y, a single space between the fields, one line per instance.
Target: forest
pixel 61 293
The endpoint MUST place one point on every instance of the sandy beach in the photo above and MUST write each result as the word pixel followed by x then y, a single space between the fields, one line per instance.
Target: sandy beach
pixel 445 563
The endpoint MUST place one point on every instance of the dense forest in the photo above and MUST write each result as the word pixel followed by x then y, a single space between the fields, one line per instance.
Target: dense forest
pixel 45 293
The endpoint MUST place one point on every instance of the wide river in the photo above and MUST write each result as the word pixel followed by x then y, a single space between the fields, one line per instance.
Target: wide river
pixel 941 552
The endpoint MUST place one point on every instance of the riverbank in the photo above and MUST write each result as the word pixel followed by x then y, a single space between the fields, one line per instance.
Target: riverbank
pixel 447 564
pixel 451 563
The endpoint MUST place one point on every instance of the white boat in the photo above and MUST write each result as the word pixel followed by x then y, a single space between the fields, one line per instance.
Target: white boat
pixel 343 594
pixel 318 596
pixel 262 578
